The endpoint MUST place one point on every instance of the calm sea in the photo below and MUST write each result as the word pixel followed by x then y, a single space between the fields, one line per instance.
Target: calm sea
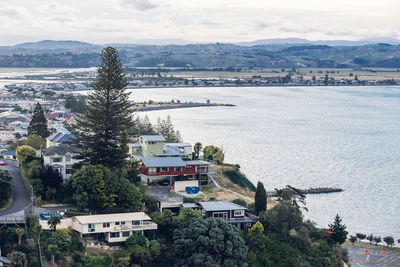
pixel 346 137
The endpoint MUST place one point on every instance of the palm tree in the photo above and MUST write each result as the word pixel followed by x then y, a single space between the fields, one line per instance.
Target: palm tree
pixel 20 232
pixel 197 148
pixel 53 221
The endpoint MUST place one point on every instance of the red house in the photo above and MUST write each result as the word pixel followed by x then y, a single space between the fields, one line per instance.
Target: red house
pixel 166 168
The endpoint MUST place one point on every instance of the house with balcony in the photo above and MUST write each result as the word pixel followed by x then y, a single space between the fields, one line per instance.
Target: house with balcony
pixel 230 212
pixel 61 158
pixel 112 228
pixel 170 168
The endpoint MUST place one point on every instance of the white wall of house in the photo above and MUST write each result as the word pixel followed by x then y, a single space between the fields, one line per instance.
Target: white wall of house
pixel 181 185
pixel 62 163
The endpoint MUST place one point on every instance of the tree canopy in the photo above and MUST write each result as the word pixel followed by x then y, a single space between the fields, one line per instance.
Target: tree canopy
pixel 209 243
pixel 339 233
pixel 107 113
pixel 24 152
pixel 260 198
pixel 214 154
pixel 38 124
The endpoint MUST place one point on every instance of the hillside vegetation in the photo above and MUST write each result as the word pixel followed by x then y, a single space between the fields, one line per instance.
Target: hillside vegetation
pixel 219 55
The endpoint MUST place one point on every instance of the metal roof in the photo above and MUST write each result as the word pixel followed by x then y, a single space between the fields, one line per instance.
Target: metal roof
pixel 164 162
pixel 220 205
pixel 154 138
pixel 135 145
pixel 60 150
pixel 179 144
pixel 5 260
pixel 115 217
pixel 196 162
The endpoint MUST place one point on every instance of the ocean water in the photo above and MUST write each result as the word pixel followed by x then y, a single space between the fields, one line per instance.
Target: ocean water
pixel 346 137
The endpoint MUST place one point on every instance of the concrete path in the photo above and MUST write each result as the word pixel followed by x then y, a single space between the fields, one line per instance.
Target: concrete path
pixel 21 198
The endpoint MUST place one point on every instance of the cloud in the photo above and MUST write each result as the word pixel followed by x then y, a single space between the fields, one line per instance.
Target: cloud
pixel 141 5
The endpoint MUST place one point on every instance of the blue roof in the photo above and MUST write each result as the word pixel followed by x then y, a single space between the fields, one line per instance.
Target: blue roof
pixel 220 205
pixel 10 152
pixel 65 138
pixel 154 138
pixel 164 162
pixel 62 137
pixel 54 137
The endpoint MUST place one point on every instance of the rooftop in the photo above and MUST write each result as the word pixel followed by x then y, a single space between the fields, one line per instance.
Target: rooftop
pixel 164 162
pixel 220 205
pixel 115 217
pixel 196 162
pixel 59 150
pixel 135 145
pixel 179 144
pixel 61 137
pixel 153 138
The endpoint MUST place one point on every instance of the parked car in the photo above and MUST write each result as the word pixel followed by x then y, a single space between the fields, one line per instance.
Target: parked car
pixel 44 215
pixel 2 162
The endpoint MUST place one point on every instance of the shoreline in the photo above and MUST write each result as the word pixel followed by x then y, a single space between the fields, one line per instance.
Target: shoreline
pixel 180 106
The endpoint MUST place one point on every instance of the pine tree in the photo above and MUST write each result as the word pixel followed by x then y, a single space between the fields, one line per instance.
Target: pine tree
pixel 339 233
pixel 107 112
pixel 260 204
pixel 38 124
pixel 124 143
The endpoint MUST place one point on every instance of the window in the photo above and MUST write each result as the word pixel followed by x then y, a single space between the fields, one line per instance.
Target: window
pixel 114 234
pixel 178 169
pixel 122 223
pixel 238 213
pixel 164 169
pixel 91 225
pixel 67 158
pixel 116 223
pixel 68 171
pixel 56 159
pixel 106 225
pixel 189 167
pixel 221 215
pixel 152 170
pixel 135 222
pixel 126 234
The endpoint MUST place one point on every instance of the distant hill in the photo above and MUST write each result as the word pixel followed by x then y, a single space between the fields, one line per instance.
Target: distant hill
pixel 299 41
pixel 204 56
pixel 50 44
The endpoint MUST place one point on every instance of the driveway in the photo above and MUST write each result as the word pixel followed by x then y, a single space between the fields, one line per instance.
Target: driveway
pixel 21 198
pixel 375 257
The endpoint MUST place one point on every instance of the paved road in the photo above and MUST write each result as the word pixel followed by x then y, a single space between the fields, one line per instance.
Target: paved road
pixel 21 198
pixel 375 256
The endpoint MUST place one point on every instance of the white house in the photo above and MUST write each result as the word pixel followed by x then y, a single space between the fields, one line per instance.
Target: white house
pixel 61 158
pixel 113 228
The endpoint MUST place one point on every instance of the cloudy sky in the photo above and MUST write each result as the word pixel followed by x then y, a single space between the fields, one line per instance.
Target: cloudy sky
pixel 127 21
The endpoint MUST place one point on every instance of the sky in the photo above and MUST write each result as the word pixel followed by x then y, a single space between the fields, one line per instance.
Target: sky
pixel 130 21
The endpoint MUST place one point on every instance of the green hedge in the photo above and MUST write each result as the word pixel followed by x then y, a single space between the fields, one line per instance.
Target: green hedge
pixel 238 178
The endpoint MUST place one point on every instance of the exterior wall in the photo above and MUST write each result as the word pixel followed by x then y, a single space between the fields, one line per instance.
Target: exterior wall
pixel 150 150
pixel 114 233
pixel 64 165
pixel 172 171
pixel 181 185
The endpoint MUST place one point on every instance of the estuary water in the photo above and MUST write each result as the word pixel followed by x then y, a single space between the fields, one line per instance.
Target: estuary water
pixel 346 137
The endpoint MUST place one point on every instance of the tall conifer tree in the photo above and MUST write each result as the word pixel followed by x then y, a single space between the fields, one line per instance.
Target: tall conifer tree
pixel 108 112
pixel 38 124
pixel 260 203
